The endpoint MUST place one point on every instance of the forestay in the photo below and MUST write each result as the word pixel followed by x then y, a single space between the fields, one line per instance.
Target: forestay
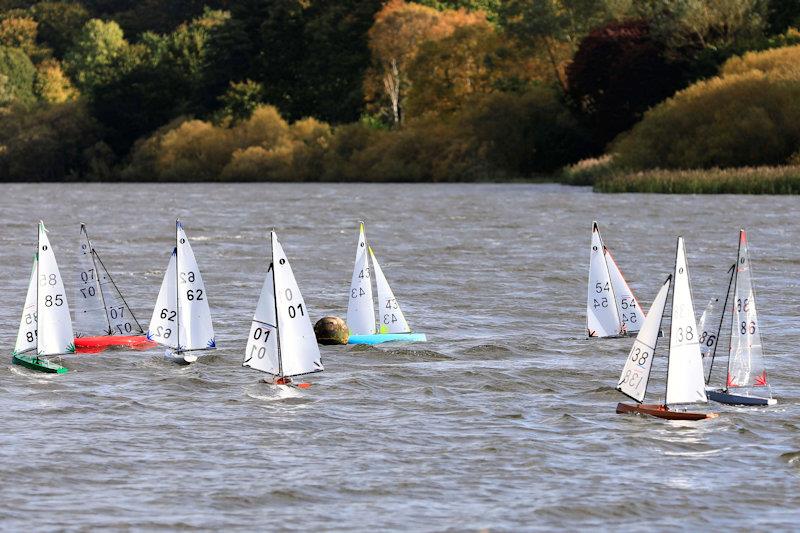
pixel 163 327
pixel 54 323
pixel 636 373
pixel 297 344
pixel 685 378
pixel 28 326
pixel 601 312
pixel 194 316
pixel 390 315
pixel 630 313
pixel 360 307
pixel 90 313
pixel 746 364
pixel 262 345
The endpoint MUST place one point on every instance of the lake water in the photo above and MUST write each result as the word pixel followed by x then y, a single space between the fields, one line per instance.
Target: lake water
pixel 504 420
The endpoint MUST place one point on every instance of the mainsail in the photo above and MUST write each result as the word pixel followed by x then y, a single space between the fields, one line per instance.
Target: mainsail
pixel 297 344
pixel 360 307
pixel 55 335
pixel 746 363
pixel 636 373
pixel 100 308
pixel 685 379
pixel 603 318
pixel 390 315
pixel 194 316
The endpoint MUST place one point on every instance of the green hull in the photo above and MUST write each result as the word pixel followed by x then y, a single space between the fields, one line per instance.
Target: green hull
pixel 41 365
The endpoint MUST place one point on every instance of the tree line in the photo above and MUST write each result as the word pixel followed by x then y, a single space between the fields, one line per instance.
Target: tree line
pixel 381 89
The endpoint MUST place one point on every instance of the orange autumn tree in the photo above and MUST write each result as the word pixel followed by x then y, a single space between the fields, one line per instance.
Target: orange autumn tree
pixel 400 29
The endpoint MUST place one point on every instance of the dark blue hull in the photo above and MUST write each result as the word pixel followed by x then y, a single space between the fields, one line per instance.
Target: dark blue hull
pixel 738 399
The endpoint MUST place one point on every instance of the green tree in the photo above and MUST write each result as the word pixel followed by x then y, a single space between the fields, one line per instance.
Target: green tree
pixel 17 76
pixel 99 55
pixel 241 99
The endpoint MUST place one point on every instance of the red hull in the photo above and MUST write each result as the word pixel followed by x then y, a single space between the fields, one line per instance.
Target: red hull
pixel 662 411
pixel 98 344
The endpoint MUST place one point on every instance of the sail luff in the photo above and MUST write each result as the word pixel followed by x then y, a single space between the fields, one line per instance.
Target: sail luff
pixel 55 333
pixel 273 241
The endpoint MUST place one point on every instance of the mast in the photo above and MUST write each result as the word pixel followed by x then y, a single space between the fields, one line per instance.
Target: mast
pixel 273 238
pixel 97 276
pixel 177 291
pixel 735 285
pixel 732 270
pixel 38 246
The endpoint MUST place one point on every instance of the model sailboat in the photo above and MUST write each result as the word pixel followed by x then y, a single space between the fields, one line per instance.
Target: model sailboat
pixel 611 308
pixel 282 341
pixel 181 319
pixel 102 316
pixel 685 380
pixel 361 320
pixel 45 328
pixel 747 374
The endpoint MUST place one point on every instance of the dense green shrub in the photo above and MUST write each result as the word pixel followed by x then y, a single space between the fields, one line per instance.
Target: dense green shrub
pixel 17 75
pixel 750 115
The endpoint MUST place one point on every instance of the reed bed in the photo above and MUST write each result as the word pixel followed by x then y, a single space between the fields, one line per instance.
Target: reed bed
pixel 740 180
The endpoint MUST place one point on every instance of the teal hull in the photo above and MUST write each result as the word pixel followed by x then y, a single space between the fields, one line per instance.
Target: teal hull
pixel 40 365
pixel 380 338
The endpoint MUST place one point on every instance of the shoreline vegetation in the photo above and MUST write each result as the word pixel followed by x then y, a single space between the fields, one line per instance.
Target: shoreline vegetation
pixel 647 96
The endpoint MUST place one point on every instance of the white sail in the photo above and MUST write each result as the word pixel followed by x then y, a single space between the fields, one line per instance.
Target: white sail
pixel 601 312
pixel 630 314
pixel 163 327
pixel 194 316
pixel 360 307
pixel 685 378
pixel 390 316
pixel 28 326
pixel 708 325
pixel 636 372
pixel 90 312
pixel 299 352
pixel 746 364
pixel 55 325
pixel 262 345
pixel 120 316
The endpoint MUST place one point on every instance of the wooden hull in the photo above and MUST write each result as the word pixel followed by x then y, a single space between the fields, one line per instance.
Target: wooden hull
pixel 662 411
pixel 721 396
pixel 40 365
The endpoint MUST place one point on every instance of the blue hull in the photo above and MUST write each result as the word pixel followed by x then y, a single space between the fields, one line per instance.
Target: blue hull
pixel 387 337
pixel 737 399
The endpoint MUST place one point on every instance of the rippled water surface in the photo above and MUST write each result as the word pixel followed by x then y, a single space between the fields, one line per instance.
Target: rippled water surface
pixel 504 420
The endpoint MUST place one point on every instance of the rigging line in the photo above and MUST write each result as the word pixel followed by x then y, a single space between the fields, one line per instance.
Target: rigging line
pixel 273 240
pixel 177 291
pixel 732 270
pixel 118 291
pixel 660 323
pixel 735 287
